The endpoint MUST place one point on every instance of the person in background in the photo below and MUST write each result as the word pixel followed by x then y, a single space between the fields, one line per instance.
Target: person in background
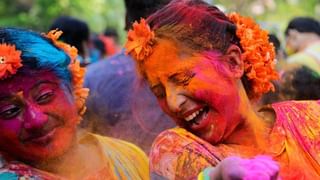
pixel 280 53
pixel 97 49
pixel 112 33
pixel 76 33
pixel 303 42
pixel 110 38
pixel 296 83
pixel 42 101
pixel 119 105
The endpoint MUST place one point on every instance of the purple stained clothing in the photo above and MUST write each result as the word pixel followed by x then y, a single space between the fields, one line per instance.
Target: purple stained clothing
pixel 120 105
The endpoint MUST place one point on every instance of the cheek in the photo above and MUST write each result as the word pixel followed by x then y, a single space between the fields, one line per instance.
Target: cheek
pixel 218 94
pixel 163 104
pixel 207 79
pixel 10 130
pixel 63 107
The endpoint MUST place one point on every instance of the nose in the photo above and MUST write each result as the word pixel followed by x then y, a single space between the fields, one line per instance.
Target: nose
pixel 34 118
pixel 175 98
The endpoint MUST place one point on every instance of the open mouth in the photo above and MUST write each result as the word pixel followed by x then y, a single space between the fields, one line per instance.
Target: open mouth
pixel 198 119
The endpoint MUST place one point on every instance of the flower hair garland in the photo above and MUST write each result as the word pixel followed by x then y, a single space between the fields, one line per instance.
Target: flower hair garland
pixel 140 40
pixel 77 72
pixel 10 60
pixel 258 55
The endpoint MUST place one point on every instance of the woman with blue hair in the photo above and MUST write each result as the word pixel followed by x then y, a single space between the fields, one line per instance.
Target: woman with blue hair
pixel 41 103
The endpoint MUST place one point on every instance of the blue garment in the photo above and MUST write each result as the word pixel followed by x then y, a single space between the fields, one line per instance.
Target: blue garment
pixel 121 106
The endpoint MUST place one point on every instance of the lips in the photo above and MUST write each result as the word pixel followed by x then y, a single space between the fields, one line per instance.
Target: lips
pixel 198 118
pixel 190 115
pixel 41 135
pixel 44 139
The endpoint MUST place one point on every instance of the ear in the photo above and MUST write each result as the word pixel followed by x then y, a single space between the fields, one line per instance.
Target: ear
pixel 234 61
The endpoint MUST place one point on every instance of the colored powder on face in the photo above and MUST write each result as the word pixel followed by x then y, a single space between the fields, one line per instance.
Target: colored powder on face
pixel 39 125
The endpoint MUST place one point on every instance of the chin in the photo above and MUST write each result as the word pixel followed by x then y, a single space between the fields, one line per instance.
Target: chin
pixel 38 154
pixel 57 147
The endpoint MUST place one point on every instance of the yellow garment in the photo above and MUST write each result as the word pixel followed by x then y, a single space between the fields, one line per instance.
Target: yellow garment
pixel 123 160
pixel 120 160
pixel 309 57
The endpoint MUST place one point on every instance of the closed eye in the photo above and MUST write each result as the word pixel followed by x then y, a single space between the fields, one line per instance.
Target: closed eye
pixel 45 97
pixel 10 111
pixel 158 91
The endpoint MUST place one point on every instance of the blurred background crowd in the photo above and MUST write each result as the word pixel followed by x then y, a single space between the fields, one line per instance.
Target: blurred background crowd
pixel 97 28
pixel 103 21
pixel 107 16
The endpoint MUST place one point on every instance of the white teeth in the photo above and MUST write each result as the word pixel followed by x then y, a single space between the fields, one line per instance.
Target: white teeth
pixel 193 115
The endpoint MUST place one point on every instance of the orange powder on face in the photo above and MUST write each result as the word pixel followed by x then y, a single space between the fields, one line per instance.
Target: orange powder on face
pixel 162 61
pixel 167 59
pixel 211 84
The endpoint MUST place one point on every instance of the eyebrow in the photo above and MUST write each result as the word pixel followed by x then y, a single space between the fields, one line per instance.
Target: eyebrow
pixel 9 96
pixel 172 76
pixel 38 83
pixel 187 73
pixel 5 97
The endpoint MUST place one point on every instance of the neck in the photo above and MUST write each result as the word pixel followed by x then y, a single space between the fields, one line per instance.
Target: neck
pixel 253 131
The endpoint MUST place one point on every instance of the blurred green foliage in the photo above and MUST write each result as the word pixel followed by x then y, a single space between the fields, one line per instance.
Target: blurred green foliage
pixel 99 14
pixel 273 15
pixel 39 14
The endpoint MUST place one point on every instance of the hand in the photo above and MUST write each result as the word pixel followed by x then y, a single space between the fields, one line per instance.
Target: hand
pixel 236 168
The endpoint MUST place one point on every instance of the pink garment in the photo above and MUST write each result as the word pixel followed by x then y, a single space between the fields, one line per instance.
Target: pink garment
pixel 294 144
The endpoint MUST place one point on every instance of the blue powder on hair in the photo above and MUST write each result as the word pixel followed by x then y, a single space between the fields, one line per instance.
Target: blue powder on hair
pixel 38 52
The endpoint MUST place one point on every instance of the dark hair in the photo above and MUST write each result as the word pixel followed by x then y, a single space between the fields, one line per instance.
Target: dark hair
pixel 37 52
pixel 306 83
pixel 275 41
pixel 304 24
pixel 195 24
pixel 136 9
pixel 111 32
pixel 75 31
pixel 299 83
pixel 99 45
pixel 198 27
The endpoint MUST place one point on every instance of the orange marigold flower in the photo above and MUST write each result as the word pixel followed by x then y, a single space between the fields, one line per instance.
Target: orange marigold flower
pixel 70 50
pixel 77 72
pixel 79 92
pixel 10 60
pixel 258 56
pixel 53 34
pixel 140 40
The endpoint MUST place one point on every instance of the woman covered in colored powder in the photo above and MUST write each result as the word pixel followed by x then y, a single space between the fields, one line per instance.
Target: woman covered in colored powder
pixel 207 69
pixel 41 103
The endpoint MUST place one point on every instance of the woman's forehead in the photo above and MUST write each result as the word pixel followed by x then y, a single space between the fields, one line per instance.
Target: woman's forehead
pixel 26 80
pixel 166 59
